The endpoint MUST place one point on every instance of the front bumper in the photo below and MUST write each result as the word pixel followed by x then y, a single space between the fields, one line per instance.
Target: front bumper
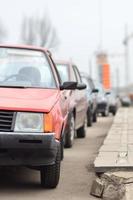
pixel 27 149
pixel 101 107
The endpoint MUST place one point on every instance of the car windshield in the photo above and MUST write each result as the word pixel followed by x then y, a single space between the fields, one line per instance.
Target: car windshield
pixel 63 72
pixel 25 68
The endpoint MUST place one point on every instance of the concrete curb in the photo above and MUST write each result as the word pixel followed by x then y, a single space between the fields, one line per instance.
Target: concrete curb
pixel 115 160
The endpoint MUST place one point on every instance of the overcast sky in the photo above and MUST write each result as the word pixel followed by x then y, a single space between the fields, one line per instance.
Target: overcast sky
pixel 77 23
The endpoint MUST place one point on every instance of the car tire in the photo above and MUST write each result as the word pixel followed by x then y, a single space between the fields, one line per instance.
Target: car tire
pixel 50 174
pixel 95 116
pixel 89 118
pixel 81 132
pixel 114 112
pixel 62 147
pixel 70 135
pixel 105 113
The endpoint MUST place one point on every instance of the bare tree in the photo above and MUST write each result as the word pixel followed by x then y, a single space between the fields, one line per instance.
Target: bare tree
pixel 39 31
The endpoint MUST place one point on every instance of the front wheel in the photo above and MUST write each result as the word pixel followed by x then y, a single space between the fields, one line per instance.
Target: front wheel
pixel 114 113
pixel 70 135
pixel 50 174
pixel 89 118
pixel 81 132
pixel 106 112
pixel 95 116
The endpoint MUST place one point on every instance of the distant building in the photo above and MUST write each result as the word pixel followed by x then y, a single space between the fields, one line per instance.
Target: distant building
pixel 103 70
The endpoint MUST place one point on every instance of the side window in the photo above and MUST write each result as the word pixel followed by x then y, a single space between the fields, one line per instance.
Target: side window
pixel 78 77
pixel 73 75
pixel 91 84
pixel 85 80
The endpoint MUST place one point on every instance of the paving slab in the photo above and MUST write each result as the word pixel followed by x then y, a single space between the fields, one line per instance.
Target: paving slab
pixel 114 148
pixel 117 148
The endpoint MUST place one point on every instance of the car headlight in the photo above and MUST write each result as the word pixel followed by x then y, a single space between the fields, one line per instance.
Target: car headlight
pixel 29 122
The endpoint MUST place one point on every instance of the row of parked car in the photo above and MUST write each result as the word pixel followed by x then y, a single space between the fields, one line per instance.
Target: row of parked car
pixel 44 105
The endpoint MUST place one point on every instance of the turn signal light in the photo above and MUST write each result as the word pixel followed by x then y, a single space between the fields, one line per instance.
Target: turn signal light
pixel 48 123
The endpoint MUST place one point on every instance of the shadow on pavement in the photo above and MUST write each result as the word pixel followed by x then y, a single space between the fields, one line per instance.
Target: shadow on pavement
pixel 19 178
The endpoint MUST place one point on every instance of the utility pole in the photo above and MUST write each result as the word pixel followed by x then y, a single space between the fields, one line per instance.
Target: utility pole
pixel 100 16
pixel 126 43
pixel 90 67
pixel 117 79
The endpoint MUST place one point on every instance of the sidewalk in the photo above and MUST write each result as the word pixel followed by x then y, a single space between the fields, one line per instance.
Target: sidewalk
pixel 117 149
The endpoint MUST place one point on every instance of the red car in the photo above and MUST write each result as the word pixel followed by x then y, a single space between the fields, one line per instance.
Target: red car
pixel 33 111
pixel 78 103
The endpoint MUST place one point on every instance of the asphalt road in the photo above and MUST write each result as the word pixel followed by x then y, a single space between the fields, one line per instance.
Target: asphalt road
pixel 77 172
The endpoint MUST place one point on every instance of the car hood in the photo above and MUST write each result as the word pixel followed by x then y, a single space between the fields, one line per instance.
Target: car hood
pixel 28 99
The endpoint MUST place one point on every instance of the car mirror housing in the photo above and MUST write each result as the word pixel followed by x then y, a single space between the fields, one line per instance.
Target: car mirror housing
pixel 95 91
pixel 70 85
pixel 81 86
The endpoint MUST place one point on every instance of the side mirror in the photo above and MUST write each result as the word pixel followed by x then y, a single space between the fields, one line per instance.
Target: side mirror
pixel 81 86
pixel 70 85
pixel 95 91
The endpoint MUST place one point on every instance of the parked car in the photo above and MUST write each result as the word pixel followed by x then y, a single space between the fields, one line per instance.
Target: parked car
pixel 92 98
pixel 125 101
pixel 33 111
pixel 102 100
pixel 77 117
pixel 113 102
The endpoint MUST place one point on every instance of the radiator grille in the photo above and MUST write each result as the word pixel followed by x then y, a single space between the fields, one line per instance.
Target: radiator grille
pixel 6 120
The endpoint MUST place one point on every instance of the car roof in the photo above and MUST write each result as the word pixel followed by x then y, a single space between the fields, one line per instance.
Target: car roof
pixel 64 62
pixel 28 47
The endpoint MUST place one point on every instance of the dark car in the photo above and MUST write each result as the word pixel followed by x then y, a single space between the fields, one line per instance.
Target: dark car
pixel 33 111
pixel 92 98
pixel 113 102
pixel 77 117
pixel 102 100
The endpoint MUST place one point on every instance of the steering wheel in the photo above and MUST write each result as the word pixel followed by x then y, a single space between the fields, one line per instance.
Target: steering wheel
pixel 22 76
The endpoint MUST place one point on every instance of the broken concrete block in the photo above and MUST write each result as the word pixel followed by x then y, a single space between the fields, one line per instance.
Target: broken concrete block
pixel 114 192
pixel 129 192
pixel 97 188
pixel 111 192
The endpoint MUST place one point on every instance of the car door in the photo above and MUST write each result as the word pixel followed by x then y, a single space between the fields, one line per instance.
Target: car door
pixel 93 94
pixel 81 101
pixel 64 101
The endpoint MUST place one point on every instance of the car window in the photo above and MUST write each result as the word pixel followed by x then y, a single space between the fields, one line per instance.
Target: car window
pixel 63 72
pixel 84 80
pixel 92 86
pixel 22 67
pixel 73 75
pixel 77 74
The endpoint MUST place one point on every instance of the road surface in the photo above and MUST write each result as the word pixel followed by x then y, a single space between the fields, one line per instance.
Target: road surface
pixel 77 172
